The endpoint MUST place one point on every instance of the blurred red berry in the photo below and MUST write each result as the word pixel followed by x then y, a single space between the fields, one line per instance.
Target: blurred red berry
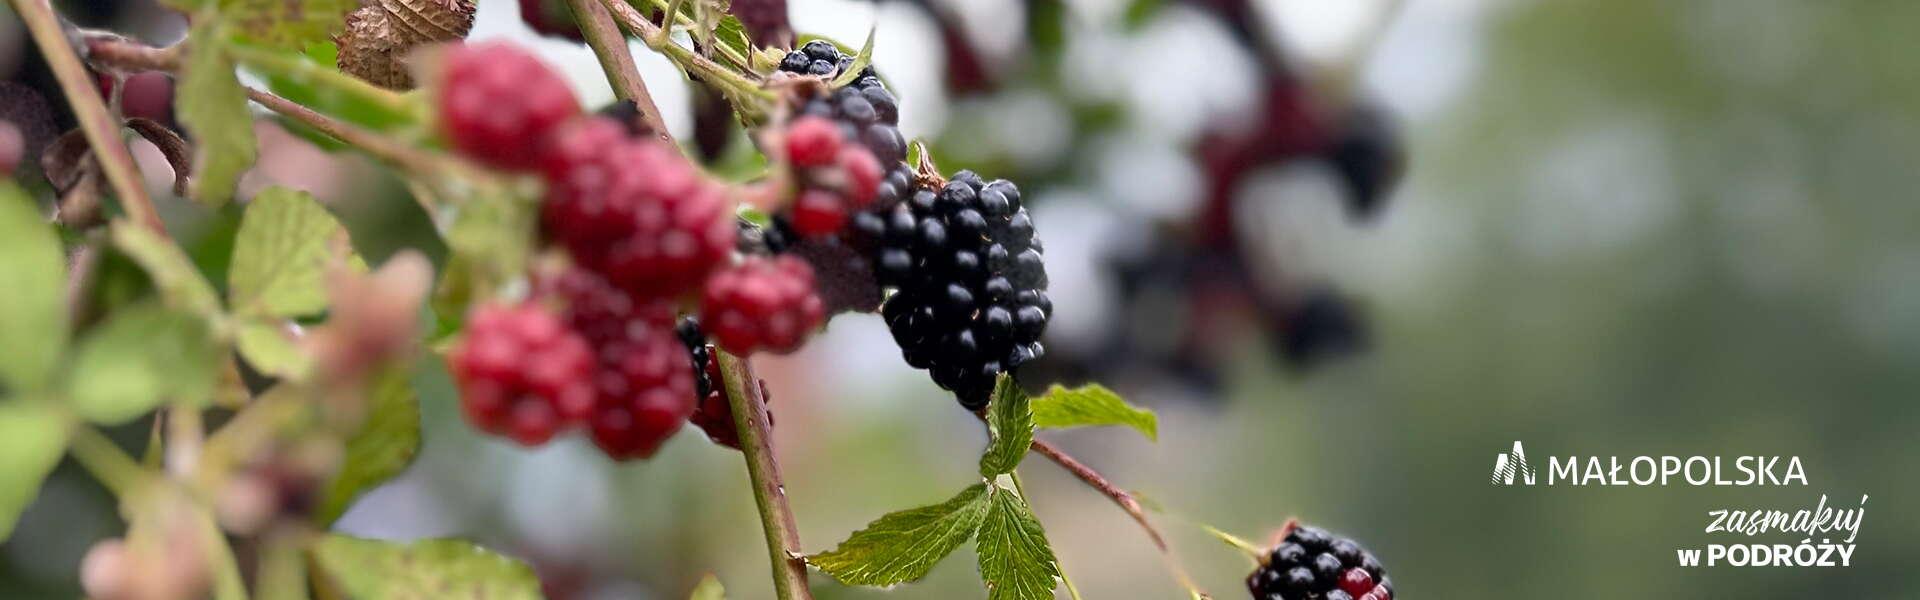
pixel 498 103
pixel 521 373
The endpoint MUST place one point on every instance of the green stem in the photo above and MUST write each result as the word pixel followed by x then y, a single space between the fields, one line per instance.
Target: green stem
pixel 101 130
pixel 105 460
pixel 328 79
pixel 769 493
pixel 227 582
pixel 746 94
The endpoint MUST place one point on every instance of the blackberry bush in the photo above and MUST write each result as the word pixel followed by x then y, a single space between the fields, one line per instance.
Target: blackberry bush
pixel 1310 564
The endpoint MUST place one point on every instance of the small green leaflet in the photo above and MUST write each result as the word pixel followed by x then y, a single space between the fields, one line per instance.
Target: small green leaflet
pixel 708 589
pixel 140 357
pixel 860 61
pixel 1091 405
pixel 32 438
pixel 279 23
pixel 281 254
pixel 180 284
pixel 1012 422
pixel 270 346
pixel 214 107
pixel 360 569
pixel 1015 560
pixel 384 446
pixel 903 546
pixel 730 33
pixel 33 313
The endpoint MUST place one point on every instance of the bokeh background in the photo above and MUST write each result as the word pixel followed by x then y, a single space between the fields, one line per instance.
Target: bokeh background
pixel 1628 227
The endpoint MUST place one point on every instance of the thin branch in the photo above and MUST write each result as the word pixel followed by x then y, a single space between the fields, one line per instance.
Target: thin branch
pixel 112 49
pixel 769 493
pixel 617 60
pixel 102 131
pixel 1098 482
pixel 737 86
pixel 324 77
pixel 374 144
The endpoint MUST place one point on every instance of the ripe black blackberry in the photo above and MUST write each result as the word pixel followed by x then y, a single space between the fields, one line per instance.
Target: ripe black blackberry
pixel 1311 564
pixel 970 296
pixel 864 110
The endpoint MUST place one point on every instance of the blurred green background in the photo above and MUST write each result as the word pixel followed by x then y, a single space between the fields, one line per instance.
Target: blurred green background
pixel 1630 227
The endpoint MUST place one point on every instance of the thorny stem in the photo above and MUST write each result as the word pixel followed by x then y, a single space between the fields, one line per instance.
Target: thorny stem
pixel 617 60
pixel 102 132
pixel 769 493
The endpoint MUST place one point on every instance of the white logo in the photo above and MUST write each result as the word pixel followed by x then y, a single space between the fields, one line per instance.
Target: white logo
pixel 1508 464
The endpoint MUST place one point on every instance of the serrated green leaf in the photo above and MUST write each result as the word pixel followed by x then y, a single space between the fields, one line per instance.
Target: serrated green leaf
pixel 141 356
pixel 213 106
pixel 281 254
pixel 269 345
pixel 903 546
pixel 1016 562
pixel 360 569
pixel 278 23
pixel 708 589
pixel 732 34
pixel 32 438
pixel 1012 420
pixel 180 285
pixel 860 61
pixel 33 315
pixel 384 446
pixel 1091 405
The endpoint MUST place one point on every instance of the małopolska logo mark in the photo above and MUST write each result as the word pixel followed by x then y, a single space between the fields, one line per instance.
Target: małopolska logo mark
pixel 1508 464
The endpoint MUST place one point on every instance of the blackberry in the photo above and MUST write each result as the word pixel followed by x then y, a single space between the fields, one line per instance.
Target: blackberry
pixel 1321 327
pixel 1368 154
pixel 1311 564
pixel 969 298
pixel 866 114
pixel 498 103
pixel 521 373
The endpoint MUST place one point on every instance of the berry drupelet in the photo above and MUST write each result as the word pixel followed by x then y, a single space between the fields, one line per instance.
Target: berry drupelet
pixel 970 298
pixel 522 373
pixel 1311 564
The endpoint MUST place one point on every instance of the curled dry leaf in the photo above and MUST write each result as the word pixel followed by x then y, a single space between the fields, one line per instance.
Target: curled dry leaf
pixel 179 155
pixel 379 36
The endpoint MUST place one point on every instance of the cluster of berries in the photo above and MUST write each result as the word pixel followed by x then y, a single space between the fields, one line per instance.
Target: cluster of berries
pixel 644 229
pixel 842 144
pixel 1310 564
pixel 970 288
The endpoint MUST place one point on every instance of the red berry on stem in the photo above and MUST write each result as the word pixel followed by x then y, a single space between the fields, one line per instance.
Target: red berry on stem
pixel 812 142
pixel 863 175
pixel 762 303
pixel 637 213
pixel 521 373
pixel 498 103
pixel 646 393
pixel 819 213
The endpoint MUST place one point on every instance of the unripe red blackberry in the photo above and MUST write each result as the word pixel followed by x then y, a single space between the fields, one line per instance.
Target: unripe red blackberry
pixel 521 373
pixel 970 300
pixel 498 103
pixel 1310 564
pixel 762 304
pixel 645 389
pixel 867 115
pixel 812 142
pixel 635 211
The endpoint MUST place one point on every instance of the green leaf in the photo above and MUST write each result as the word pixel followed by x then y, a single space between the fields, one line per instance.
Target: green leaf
pixel 1091 405
pixel 353 568
pixel 142 356
pixel 281 255
pixel 709 589
pixel 384 446
pixel 310 78
pixel 732 34
pixel 280 23
pixel 903 546
pixel 1012 420
pixel 860 61
pixel 180 285
pixel 214 107
pixel 490 237
pixel 269 345
pixel 33 313
pixel 32 438
pixel 1015 560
